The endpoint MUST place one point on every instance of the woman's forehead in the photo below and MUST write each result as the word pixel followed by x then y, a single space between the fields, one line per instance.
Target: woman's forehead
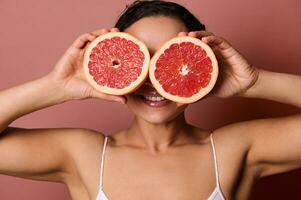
pixel 155 31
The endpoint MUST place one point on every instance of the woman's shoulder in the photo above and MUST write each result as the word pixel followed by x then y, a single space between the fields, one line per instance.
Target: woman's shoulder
pixel 83 137
pixel 81 141
pixel 237 134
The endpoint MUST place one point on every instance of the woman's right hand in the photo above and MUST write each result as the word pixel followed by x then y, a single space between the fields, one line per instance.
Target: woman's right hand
pixel 68 72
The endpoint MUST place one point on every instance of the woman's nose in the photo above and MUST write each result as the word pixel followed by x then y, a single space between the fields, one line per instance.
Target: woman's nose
pixel 148 82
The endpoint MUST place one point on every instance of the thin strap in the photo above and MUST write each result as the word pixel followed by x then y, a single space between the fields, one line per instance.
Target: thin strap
pixel 215 160
pixel 102 161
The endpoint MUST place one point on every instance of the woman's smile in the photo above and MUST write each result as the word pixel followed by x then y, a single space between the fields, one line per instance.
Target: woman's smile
pixel 152 99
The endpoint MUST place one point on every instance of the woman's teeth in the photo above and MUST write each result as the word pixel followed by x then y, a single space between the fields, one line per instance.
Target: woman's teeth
pixel 154 98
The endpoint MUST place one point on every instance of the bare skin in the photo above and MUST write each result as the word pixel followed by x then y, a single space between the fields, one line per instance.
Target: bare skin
pixel 159 156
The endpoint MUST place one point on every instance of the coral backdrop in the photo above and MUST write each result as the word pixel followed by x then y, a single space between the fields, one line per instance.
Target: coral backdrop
pixel 34 34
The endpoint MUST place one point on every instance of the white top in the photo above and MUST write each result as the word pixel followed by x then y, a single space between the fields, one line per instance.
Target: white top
pixel 215 195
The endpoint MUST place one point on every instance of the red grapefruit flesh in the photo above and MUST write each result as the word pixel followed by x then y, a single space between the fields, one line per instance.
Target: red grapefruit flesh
pixel 184 69
pixel 116 63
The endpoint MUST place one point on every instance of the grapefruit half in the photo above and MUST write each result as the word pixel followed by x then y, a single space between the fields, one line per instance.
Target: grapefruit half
pixel 116 63
pixel 184 69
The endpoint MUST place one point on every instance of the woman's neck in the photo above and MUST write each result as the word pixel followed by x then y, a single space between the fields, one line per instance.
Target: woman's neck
pixel 158 137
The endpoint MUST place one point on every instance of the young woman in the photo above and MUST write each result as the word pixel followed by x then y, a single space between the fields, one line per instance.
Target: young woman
pixel 160 156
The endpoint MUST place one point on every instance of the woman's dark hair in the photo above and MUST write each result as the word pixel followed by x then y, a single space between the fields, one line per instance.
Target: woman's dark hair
pixel 143 8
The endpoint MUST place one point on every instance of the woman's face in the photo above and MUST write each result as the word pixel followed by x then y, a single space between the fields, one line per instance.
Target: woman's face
pixel 145 102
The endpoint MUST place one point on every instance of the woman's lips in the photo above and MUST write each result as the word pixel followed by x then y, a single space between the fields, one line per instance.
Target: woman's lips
pixel 152 99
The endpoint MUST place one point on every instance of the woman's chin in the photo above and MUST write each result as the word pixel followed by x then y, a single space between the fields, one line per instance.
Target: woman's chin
pixel 156 119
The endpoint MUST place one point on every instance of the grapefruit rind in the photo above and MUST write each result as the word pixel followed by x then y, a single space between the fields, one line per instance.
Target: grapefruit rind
pixel 203 91
pixel 114 91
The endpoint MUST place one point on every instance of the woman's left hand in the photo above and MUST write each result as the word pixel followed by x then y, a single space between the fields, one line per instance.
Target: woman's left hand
pixel 236 75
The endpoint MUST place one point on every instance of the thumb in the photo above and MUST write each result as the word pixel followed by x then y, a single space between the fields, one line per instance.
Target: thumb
pixel 108 97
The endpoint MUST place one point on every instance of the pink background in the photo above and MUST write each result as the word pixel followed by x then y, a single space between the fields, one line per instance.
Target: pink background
pixel 34 34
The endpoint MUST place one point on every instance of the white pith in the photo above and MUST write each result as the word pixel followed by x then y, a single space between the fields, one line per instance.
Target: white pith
pixel 116 66
pixel 183 71
pixel 114 91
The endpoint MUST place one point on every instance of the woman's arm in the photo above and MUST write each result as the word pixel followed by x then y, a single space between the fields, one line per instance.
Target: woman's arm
pixel 276 142
pixel 280 87
pixel 28 97
pixel 26 152
pixel 45 154
pixel 274 145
